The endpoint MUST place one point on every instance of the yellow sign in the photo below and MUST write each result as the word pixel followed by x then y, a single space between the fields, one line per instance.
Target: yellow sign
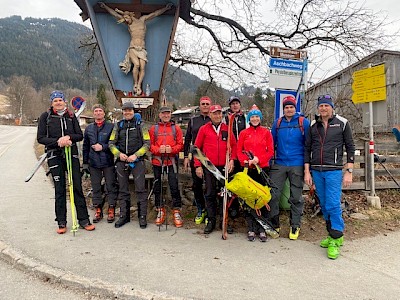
pixel 377 94
pixel 367 83
pixel 369 72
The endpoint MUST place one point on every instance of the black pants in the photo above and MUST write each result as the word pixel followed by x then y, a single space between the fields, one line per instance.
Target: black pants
pixel 111 190
pixel 213 187
pixel 58 168
pixel 123 171
pixel 173 185
pixel 197 187
pixel 252 224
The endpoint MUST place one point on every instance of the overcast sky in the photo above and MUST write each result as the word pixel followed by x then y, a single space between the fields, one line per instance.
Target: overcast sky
pixel 68 10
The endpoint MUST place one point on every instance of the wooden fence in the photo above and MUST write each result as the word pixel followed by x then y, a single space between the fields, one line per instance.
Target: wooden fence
pixel 361 181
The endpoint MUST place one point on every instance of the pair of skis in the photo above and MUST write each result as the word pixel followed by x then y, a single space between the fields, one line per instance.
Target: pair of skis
pixel 42 158
pixel 265 224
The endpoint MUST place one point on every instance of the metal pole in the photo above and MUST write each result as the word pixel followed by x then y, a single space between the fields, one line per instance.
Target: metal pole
pixel 371 149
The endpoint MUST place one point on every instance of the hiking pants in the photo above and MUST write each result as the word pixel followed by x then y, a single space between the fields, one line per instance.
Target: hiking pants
pixel 197 188
pixel 252 224
pixel 58 168
pixel 210 195
pixel 111 190
pixel 123 171
pixel 278 175
pixel 173 185
pixel 328 186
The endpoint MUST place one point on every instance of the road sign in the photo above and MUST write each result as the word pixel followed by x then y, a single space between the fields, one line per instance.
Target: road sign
pixel 369 72
pixel 77 102
pixel 287 64
pixel 279 96
pixel 287 53
pixel 377 94
pixel 367 83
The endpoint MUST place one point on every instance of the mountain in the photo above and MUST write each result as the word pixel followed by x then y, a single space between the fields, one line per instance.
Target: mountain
pixel 47 50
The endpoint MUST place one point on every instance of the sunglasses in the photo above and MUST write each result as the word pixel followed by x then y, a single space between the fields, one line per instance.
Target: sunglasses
pixel 205 103
pixel 324 97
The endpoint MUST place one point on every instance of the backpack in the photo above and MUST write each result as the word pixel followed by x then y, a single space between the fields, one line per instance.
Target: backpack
pixel 172 127
pixel 300 120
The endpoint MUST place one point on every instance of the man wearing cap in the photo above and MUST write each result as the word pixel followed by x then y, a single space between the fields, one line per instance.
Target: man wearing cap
pixel 323 159
pixel 98 161
pixel 239 122
pixel 128 146
pixel 58 128
pixel 191 133
pixel 166 141
pixel 212 140
pixel 289 134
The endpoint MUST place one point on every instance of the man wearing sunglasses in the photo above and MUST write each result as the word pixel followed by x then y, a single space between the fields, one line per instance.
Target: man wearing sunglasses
pixel 191 133
pixel 323 159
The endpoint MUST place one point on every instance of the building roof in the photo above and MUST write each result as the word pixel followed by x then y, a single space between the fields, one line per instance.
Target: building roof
pixel 365 59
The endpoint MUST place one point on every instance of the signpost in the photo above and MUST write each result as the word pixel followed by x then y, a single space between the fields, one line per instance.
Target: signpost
pixel 287 53
pixel 370 85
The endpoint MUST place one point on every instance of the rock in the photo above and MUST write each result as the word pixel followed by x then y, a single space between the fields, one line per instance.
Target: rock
pixel 359 216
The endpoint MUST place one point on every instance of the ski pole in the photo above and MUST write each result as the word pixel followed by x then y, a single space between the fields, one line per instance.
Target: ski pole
pixel 68 158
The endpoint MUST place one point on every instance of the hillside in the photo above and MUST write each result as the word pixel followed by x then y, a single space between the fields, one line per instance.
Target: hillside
pixel 47 50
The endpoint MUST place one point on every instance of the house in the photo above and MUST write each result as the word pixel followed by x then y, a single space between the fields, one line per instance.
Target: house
pixel 183 115
pixel 386 114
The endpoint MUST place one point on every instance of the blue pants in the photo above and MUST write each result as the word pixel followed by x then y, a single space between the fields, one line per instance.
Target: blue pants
pixel 328 185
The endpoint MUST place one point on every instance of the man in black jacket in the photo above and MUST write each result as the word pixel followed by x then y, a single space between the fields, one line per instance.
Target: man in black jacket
pixel 190 137
pixel 128 146
pixel 58 128
pixel 323 156
pixel 98 157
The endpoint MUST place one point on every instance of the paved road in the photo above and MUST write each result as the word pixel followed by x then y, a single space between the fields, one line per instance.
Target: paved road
pixel 15 284
pixel 173 264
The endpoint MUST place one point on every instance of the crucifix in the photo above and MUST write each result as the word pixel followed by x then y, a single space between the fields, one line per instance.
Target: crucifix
pixel 135 15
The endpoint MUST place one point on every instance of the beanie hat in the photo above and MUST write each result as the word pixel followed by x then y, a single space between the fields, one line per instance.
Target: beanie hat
pixel 325 99
pixel 289 100
pixel 57 94
pixel 254 111
pixel 233 98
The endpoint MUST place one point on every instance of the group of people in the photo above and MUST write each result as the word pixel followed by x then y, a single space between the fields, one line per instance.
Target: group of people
pixel 294 150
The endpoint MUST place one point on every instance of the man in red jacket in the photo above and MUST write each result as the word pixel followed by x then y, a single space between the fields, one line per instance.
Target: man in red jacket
pixel 166 141
pixel 212 140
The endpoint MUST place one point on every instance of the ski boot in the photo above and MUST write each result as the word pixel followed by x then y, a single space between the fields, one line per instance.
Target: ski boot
pixel 177 218
pixel 111 214
pixel 160 216
pixel 294 233
pixel 98 215
pixel 201 215
pixel 334 247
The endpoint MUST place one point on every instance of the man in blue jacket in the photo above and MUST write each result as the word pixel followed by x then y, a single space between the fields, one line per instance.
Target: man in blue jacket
pixel 99 161
pixel 289 134
pixel 323 158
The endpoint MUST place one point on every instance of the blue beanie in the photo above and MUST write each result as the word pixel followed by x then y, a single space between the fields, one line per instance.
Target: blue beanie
pixel 325 99
pixel 57 94
pixel 254 111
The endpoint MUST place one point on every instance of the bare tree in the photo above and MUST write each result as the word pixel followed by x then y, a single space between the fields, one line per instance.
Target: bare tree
pixel 233 46
pixel 20 92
